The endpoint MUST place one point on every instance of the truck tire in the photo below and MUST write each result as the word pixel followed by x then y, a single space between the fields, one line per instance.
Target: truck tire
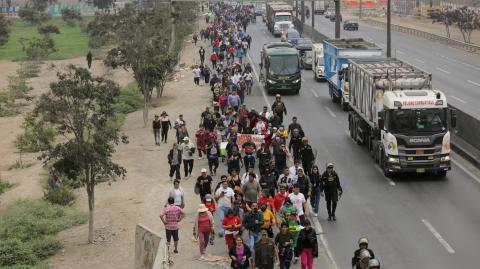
pixel 383 162
pixel 441 174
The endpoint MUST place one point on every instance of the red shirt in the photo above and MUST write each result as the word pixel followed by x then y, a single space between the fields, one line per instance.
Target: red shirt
pixel 211 206
pixel 278 200
pixel 235 220
pixel 263 200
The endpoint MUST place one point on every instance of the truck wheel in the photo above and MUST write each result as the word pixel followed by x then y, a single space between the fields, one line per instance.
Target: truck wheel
pixel 441 174
pixel 383 165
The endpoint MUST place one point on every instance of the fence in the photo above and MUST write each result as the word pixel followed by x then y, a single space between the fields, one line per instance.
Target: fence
pixel 304 29
pixel 437 38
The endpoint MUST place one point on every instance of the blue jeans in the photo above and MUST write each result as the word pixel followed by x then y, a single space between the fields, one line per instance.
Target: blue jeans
pixel 253 237
pixel 315 199
pixel 221 213
pixel 248 160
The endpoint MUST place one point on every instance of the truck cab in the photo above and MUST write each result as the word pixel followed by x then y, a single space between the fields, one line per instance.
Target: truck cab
pixel 318 66
pixel 280 68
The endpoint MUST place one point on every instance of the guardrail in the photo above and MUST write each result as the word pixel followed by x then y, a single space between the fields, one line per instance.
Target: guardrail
pixel 438 38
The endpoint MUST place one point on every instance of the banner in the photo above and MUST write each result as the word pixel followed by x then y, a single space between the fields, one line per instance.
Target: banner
pixel 257 139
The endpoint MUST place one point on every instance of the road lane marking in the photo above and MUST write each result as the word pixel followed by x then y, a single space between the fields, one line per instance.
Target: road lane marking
pixel 314 93
pixel 474 83
pixel 257 77
pixel 319 230
pixel 442 70
pixel 438 236
pixel 400 52
pixel 386 178
pixel 458 99
pixel 418 60
pixel 472 175
pixel 347 132
pixel 471 66
pixel 330 112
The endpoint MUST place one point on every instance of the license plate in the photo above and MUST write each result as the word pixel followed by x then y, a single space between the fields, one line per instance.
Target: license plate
pixel 420 151
pixel 283 77
pixel 410 158
pixel 420 170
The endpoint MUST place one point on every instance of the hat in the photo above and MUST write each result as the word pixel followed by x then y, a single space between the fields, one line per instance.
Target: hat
pixel 329 165
pixel 204 170
pixel 208 197
pixel 263 232
pixel 278 95
pixel 186 138
pixel 202 208
pixel 363 240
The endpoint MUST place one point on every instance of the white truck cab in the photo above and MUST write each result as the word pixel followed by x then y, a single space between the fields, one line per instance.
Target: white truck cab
pixel 318 66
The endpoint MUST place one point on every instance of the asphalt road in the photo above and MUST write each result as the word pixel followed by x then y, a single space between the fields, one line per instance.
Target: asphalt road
pixel 412 222
pixel 455 72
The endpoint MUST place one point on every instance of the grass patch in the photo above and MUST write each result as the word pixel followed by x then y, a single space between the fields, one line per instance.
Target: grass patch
pixel 129 99
pixel 27 230
pixel 71 42
pixel 20 165
pixel 4 185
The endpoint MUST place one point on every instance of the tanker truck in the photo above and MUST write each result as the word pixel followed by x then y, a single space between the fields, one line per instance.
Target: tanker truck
pixel 402 120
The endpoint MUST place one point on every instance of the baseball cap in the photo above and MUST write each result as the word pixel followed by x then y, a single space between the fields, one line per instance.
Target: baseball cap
pixel 186 138
pixel 329 164
pixel 204 170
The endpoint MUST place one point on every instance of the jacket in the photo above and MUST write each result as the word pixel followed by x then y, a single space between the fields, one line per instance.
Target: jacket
pixel 330 183
pixel 249 221
pixel 305 185
pixel 170 156
pixel 234 264
pixel 309 235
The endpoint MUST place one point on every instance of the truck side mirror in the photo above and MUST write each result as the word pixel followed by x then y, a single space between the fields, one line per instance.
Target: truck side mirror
pixel 453 117
pixel 381 121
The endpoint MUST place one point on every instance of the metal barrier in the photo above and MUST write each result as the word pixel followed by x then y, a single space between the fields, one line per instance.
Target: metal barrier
pixel 438 38
pixel 307 30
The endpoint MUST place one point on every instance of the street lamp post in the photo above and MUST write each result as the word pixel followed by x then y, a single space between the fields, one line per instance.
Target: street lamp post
pixel 337 18
pixel 313 14
pixel 389 29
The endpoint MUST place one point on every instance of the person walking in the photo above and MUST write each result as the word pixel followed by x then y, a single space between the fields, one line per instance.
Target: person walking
pixel 253 221
pixel 203 228
pixel 332 190
pixel 299 201
pixel 195 38
pixel 165 124
pixel 249 150
pixel 206 74
pixel 316 189
pixel 188 149
pixel 171 215
pixel 224 197
pixel 362 244
pixel 234 100
pixel 196 75
pixel 214 59
pixel 201 52
pixel 307 245
pixel 283 242
pixel 307 155
pixel 239 254
pixel 89 59
pixel 279 107
pixel 213 151
pixel 202 138
pixel 303 182
pixel 178 194
pixel 231 224
pixel 174 160
pixel 268 219
pixel 156 125
pixel 204 184
pixel 251 189
pixel 265 253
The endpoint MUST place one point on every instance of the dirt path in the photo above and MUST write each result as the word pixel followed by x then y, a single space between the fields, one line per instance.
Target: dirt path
pixel 26 182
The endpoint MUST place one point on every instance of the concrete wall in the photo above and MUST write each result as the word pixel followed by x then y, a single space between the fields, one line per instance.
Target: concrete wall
pixel 149 248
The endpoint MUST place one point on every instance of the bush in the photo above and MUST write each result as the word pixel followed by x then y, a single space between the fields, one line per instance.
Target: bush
pixel 129 100
pixel 38 48
pixel 29 69
pixel 37 266
pixel 70 16
pixel 4 185
pixel 14 252
pixel 35 137
pixel 64 196
pixel 18 87
pixel 46 29
pixel 20 165
pixel 4 31
pixel 45 247
pixel 33 16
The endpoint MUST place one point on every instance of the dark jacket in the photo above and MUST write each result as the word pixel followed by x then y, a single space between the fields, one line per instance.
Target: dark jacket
pixel 311 236
pixel 209 149
pixel 170 156
pixel 268 181
pixel 356 254
pixel 331 183
pixel 249 221
pixel 156 124
pixel 308 157
pixel 305 185
pixel 234 264
pixel 264 254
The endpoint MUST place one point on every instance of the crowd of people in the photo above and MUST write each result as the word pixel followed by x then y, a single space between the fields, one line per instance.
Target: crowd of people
pixel 268 210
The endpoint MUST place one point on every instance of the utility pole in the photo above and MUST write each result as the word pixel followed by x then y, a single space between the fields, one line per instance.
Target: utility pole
pixel 302 9
pixel 337 18
pixel 172 33
pixel 313 14
pixel 389 29
pixel 360 12
pixel 296 9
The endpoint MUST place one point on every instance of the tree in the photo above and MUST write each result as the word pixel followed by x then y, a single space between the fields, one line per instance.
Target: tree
pixel 70 15
pixel 4 31
pixel 446 17
pixel 467 20
pixel 81 108
pixel 38 48
pixel 40 5
pixel 47 29
pixel 33 16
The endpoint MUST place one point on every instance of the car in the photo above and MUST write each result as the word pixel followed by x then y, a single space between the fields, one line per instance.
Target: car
pixel 332 17
pixel 304 44
pixel 350 25
pixel 306 60
pixel 292 36
pixel 330 12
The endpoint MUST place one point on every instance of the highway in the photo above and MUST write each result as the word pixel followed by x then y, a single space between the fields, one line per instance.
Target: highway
pixel 411 221
pixel 455 72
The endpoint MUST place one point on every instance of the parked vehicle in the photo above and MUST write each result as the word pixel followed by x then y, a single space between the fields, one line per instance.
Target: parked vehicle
pixel 350 25
pixel 337 54
pixel 319 7
pixel 304 44
pixel 318 66
pixel 399 117
pixel 333 17
pixel 329 12
pixel 292 36
pixel 279 17
pixel 280 68
pixel 306 59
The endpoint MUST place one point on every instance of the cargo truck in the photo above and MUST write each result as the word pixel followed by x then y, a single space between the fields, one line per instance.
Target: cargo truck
pixel 318 66
pixel 399 117
pixel 319 7
pixel 337 53
pixel 279 17
pixel 280 68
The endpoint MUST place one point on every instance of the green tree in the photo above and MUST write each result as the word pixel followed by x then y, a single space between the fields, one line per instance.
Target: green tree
pixel 70 15
pixel 33 16
pixel 81 107
pixel 48 28
pixel 467 20
pixel 38 48
pixel 4 31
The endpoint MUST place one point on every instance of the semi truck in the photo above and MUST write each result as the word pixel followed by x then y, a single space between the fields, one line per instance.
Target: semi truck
pixel 337 53
pixel 279 17
pixel 319 7
pixel 401 119
pixel 280 67
pixel 318 66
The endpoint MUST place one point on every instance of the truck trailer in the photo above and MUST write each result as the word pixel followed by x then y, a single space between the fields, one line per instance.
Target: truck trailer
pixel 319 6
pixel 279 17
pixel 399 117
pixel 337 54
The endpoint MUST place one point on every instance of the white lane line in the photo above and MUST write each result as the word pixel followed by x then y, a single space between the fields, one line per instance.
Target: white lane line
pixel 330 112
pixel 400 52
pixel 386 178
pixel 458 99
pixel 418 60
pixel 472 175
pixel 314 93
pixel 442 70
pixel 382 44
pixel 471 66
pixel 438 236
pixel 257 77
pixel 323 239
pixel 347 132
pixel 474 83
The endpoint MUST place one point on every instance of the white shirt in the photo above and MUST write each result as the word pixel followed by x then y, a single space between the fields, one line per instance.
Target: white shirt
pixel 247 76
pixel 236 78
pixel 298 200
pixel 226 200
pixel 293 173
pixel 245 178
pixel 185 151
pixel 283 179
pixel 178 197
pixel 196 72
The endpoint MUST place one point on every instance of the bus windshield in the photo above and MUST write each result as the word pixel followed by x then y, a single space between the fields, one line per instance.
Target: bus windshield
pixel 283 65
